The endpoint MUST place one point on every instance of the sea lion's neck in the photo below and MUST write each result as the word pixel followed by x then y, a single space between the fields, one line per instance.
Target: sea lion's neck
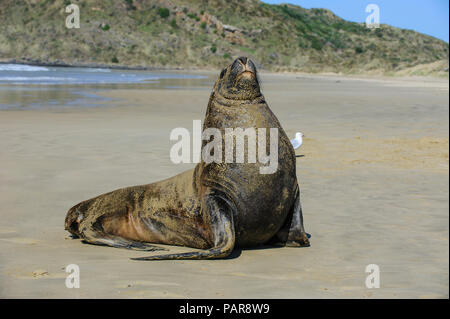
pixel 219 100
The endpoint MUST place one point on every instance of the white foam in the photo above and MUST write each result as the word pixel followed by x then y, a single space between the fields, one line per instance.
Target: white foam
pixel 21 67
pixel 34 78
pixel 96 70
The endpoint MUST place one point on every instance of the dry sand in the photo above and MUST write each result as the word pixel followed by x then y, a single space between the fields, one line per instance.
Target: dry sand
pixel 374 180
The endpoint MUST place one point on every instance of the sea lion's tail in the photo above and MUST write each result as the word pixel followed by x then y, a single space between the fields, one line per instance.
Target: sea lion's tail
pixel 73 218
pixel 81 223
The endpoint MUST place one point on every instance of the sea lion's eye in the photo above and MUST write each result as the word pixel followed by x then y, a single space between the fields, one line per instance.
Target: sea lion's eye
pixel 222 73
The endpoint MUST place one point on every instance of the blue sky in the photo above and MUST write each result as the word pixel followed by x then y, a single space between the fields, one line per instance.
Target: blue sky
pixel 425 16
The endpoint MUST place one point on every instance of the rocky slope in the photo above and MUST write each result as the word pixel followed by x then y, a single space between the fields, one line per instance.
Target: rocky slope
pixel 208 34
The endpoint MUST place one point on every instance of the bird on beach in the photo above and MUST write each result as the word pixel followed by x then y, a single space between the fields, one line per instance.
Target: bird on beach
pixel 298 140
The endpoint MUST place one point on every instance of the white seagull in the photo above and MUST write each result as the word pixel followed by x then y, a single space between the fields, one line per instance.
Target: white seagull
pixel 298 140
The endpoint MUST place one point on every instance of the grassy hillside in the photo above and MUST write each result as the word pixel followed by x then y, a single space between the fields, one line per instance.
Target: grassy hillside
pixel 208 34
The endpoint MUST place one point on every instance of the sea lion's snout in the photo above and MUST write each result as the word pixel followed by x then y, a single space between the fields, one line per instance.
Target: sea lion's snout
pixel 243 66
pixel 239 81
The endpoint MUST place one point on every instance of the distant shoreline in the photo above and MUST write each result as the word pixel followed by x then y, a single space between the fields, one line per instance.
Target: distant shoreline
pixel 86 65
pixel 362 76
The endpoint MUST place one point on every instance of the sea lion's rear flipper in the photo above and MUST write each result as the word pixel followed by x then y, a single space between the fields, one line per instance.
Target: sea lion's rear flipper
pixel 87 224
pixel 94 236
pixel 222 227
pixel 293 234
pixel 119 242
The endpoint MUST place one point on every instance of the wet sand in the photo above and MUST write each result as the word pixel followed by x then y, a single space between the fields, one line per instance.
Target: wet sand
pixel 373 171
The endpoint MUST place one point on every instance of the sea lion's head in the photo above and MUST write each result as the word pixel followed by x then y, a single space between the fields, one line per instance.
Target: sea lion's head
pixel 238 81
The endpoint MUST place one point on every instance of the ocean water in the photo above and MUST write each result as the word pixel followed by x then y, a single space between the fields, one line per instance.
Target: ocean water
pixel 30 87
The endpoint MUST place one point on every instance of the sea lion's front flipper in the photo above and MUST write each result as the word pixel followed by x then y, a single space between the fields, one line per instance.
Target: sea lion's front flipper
pixel 293 234
pixel 220 216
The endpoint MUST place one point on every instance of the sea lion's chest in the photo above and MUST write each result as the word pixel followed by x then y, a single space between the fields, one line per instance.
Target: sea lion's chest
pixel 262 200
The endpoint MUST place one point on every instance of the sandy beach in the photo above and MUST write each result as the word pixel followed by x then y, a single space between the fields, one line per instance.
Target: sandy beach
pixel 374 175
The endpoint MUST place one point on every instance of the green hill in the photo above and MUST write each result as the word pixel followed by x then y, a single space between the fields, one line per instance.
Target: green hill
pixel 207 34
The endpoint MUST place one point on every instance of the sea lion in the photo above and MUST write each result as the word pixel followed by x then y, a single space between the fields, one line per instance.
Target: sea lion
pixel 215 206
